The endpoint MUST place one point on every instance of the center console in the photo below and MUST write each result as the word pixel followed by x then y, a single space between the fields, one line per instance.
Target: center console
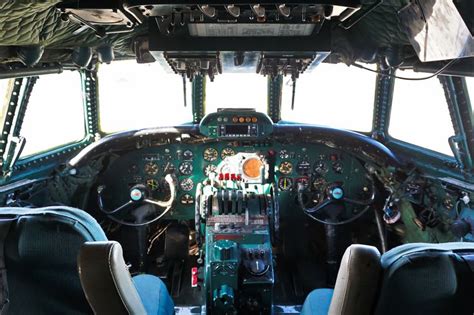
pixel 235 210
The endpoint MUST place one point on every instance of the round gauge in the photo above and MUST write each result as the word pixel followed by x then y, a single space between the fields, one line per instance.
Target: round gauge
pixel 304 181
pixel 188 155
pixel 186 184
pixel 251 167
pixel 285 167
pixel 320 167
pixel 210 168
pixel 303 168
pixel 285 183
pixel 337 167
pixel 152 184
pixel 151 168
pixel 319 183
pixel 227 152
pixel 186 168
pixel 210 154
pixel 168 168
pixel 186 199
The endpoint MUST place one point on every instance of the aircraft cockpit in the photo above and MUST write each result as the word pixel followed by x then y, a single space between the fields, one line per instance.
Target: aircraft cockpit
pixel 186 157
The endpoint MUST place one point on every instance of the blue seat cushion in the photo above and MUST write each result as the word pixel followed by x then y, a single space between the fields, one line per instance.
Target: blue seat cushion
pixel 154 295
pixel 317 302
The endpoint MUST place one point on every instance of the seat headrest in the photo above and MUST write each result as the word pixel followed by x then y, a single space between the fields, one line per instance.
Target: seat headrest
pixel 106 280
pixel 427 279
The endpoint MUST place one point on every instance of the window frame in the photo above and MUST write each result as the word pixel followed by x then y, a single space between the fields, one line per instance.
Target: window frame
pixel 426 158
pixel 59 151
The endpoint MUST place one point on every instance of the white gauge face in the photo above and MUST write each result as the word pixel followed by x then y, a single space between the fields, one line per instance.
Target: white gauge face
pixel 186 184
pixel 210 154
pixel 186 168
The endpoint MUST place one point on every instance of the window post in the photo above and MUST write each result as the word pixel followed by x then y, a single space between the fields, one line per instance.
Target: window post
pixel 199 98
pixel 274 88
pixel 460 109
pixel 384 85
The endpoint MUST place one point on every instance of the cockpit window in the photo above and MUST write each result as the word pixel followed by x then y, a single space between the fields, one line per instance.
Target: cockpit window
pixel 420 114
pixel 332 95
pixel 135 96
pixel 55 113
pixel 237 90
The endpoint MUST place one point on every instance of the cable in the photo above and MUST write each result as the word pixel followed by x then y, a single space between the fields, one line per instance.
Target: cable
pixel 404 78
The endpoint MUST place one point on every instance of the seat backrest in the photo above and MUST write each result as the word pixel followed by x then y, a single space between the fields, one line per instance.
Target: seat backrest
pixel 357 281
pixel 428 279
pixel 40 250
pixel 106 281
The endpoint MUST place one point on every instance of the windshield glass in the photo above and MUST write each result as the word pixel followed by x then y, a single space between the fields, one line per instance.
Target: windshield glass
pixel 134 96
pixel 237 90
pixel 332 95
pixel 420 114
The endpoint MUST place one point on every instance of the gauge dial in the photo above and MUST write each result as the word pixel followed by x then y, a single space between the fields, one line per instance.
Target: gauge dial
pixel 319 183
pixel 186 199
pixel 304 181
pixel 251 168
pixel 152 184
pixel 303 168
pixel 285 167
pixel 227 152
pixel 210 154
pixel 285 183
pixel 186 168
pixel 320 167
pixel 186 184
pixel 151 168
pixel 188 155
pixel 210 168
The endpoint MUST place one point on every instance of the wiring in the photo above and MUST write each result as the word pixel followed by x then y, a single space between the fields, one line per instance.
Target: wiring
pixel 405 78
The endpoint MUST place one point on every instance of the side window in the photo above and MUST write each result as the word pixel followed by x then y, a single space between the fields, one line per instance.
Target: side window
pixel 420 114
pixel 55 113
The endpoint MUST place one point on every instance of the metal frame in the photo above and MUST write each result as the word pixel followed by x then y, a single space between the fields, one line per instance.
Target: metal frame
pixel 274 95
pixel 198 98
pixel 384 86
pixel 461 115
pixel 89 91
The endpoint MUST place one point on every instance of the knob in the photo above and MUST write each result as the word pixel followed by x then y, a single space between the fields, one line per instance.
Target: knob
pixel 461 228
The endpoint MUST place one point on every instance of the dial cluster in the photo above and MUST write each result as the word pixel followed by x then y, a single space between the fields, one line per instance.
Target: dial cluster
pixel 314 167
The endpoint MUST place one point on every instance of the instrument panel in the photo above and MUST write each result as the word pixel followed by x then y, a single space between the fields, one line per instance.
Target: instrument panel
pixel 316 166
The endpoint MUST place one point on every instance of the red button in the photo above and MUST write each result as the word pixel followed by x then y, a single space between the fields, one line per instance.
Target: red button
pixel 233 177
pixel 221 176
pixel 226 176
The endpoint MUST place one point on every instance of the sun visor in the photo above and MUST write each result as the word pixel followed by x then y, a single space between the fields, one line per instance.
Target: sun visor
pixel 436 30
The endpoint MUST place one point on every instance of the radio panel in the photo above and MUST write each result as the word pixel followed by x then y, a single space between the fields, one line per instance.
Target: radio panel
pixel 240 124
